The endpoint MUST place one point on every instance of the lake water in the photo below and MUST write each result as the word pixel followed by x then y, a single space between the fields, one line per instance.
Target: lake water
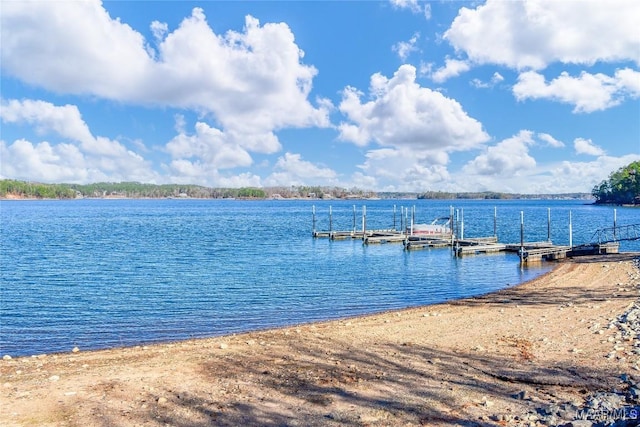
pixel 108 273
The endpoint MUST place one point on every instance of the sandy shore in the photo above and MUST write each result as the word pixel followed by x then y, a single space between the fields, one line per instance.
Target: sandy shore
pixel 489 360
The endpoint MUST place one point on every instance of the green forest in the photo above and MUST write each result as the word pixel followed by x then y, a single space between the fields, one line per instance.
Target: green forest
pixel 621 188
pixel 30 190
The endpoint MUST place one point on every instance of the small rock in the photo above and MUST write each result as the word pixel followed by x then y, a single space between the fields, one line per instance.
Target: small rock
pixel 75 350
pixel 54 378
pixel 6 357
pixel 521 395
pixel 162 400
pixel 224 345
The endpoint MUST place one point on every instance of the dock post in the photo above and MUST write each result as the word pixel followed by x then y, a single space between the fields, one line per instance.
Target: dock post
pixel 394 217
pixel 354 219
pixel 451 226
pixel 549 225
pixel 406 219
pixel 364 221
pixel 313 215
pixel 413 216
pixel 570 232
pixel 330 223
pixel 461 224
pixel 521 237
pixel 495 222
pixel 615 219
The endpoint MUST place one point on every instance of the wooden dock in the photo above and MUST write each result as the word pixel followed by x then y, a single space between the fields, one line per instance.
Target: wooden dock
pixel 425 242
pixel 384 236
pixel 607 241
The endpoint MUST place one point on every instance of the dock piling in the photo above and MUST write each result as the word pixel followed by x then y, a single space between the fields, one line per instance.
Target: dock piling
pixel 313 214
pixel 521 237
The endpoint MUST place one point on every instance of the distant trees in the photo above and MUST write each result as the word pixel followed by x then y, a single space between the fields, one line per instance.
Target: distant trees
pixel 622 187
pixel 30 190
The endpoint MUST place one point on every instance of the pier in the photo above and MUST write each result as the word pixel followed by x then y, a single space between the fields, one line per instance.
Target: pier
pixel 450 233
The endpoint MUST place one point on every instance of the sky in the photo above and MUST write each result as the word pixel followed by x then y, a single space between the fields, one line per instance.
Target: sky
pixel 538 96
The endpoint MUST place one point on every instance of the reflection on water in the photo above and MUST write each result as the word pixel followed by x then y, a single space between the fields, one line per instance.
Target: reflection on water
pixel 104 273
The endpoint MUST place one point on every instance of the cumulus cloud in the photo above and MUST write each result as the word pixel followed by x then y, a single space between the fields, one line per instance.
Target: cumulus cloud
pixel 452 68
pixel 404 49
pixel 508 157
pixel 405 170
pixel 495 79
pixel 583 176
pixel 253 82
pixel 209 146
pixel 414 6
pixel 586 146
pixel 588 92
pixel 550 140
pixel 291 169
pixel 80 157
pixel 535 33
pixel 402 114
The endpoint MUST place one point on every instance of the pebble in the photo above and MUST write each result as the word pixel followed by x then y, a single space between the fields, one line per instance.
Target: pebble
pixel 224 345
pixel 6 357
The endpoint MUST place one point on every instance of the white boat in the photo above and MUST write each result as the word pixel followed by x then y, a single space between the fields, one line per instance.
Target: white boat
pixel 439 227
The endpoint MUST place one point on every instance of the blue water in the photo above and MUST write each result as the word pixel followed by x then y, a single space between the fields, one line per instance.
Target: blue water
pixel 107 273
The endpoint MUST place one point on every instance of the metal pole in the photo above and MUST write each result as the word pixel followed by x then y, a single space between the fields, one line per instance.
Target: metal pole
pixel 364 221
pixel 570 231
pixel 521 237
pixel 615 220
pixel 495 221
pixel 548 224
pixel 406 218
pixel 354 219
pixel 313 211
pixel 451 225
pixel 394 217
pixel 330 222
pixel 461 224
pixel 413 216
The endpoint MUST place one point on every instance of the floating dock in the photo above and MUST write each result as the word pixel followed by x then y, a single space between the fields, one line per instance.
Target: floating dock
pixel 440 235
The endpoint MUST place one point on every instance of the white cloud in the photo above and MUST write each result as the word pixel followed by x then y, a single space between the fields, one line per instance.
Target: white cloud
pixel 588 92
pixel 81 157
pixel 291 169
pixel 550 140
pixel 404 49
pixel 405 170
pixel 535 33
pixel 65 120
pixel 184 171
pixel 402 114
pixel 495 79
pixel 414 6
pixel 586 146
pixel 253 82
pixel 508 157
pixel 211 146
pixel 452 68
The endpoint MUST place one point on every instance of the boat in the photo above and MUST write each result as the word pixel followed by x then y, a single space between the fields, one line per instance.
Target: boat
pixel 438 228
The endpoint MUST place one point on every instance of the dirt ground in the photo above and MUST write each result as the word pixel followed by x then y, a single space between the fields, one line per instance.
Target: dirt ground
pixel 477 361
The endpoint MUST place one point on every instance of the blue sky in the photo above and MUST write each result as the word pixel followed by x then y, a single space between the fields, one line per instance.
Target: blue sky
pixel 519 96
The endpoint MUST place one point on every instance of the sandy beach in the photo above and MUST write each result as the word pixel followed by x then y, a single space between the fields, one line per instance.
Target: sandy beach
pixel 498 359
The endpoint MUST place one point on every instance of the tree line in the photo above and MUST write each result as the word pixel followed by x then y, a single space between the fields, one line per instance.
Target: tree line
pixel 621 188
pixel 31 190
